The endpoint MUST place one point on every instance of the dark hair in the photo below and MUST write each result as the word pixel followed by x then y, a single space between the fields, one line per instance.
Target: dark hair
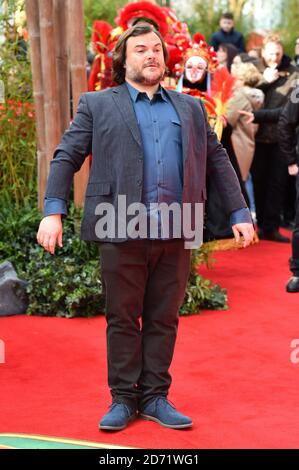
pixel 143 19
pixel 119 53
pixel 227 15
pixel 231 51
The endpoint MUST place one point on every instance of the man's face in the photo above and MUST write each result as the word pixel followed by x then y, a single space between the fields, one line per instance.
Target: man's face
pixel 226 24
pixel 195 69
pixel 272 54
pixel 144 59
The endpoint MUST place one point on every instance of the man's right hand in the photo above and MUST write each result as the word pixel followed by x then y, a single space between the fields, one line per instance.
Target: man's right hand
pixel 271 74
pixel 293 169
pixel 248 114
pixel 50 232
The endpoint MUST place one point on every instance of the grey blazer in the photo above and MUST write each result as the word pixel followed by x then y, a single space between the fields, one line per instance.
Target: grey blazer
pixel 106 126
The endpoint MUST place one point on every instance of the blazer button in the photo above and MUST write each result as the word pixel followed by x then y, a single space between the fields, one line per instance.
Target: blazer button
pixel 139 182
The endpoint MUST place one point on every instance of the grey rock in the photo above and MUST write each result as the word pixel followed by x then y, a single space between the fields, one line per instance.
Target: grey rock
pixel 13 297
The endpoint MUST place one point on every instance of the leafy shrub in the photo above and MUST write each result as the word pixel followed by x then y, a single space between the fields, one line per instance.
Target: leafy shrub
pixel 67 284
pixel 18 161
pixel 201 293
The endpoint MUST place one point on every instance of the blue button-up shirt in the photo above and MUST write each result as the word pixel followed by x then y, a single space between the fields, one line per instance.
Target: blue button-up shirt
pixel 161 135
pixel 160 130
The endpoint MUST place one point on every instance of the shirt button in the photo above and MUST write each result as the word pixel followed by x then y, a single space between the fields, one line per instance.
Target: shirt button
pixel 159 161
pixel 157 140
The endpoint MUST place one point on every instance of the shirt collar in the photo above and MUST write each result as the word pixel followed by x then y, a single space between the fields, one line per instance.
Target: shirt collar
pixel 134 93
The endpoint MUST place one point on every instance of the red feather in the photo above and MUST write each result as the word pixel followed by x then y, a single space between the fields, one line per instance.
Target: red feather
pixel 222 84
pixel 142 9
pixel 100 34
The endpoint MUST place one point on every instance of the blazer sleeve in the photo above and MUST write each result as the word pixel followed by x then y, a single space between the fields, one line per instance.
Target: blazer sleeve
pixel 70 154
pixel 287 124
pixel 221 170
pixel 266 115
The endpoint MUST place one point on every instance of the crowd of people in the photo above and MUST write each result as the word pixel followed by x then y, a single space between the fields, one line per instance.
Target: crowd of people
pixel 263 113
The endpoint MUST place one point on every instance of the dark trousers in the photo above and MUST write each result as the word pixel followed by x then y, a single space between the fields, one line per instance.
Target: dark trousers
pixel 269 174
pixel 143 280
pixel 294 261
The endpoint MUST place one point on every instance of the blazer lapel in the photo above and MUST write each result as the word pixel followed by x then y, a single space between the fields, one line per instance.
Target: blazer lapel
pixel 123 101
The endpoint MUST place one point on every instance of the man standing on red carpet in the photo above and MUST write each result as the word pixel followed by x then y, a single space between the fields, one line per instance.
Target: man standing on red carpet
pixel 150 147
pixel 287 126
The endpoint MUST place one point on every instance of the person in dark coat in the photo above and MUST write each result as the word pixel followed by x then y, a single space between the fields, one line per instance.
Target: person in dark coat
pixel 287 124
pixel 269 169
pixel 227 34
pixel 287 118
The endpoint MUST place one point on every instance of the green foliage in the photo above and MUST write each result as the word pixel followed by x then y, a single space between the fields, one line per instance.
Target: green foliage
pixel 288 28
pixel 17 150
pixel 104 10
pixel 67 284
pixel 18 135
pixel 202 293
pixel 15 70
pixel 207 14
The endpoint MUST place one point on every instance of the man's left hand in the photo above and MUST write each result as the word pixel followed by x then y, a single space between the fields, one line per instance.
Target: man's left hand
pixel 247 230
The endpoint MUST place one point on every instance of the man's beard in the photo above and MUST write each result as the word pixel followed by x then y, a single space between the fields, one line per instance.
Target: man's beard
pixel 137 77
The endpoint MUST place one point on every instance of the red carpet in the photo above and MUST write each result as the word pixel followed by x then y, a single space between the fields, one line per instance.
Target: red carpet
pixel 231 371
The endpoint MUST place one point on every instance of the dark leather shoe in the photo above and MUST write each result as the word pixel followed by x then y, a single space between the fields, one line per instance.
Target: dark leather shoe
pixel 118 417
pixel 293 284
pixel 273 236
pixel 164 413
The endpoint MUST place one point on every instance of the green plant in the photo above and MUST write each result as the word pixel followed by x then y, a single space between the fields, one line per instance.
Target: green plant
pixel 17 125
pixel 201 293
pixel 17 150
pixel 67 284
pixel 104 10
pixel 64 285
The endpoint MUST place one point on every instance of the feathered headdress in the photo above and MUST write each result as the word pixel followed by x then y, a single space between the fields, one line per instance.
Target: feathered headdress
pixel 142 10
pixel 186 49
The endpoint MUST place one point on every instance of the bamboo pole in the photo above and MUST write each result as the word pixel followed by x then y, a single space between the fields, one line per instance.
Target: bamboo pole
pixel 79 81
pixel 62 62
pixel 32 15
pixel 51 99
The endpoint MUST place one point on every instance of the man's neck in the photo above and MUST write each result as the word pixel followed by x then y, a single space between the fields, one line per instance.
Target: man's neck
pixel 150 90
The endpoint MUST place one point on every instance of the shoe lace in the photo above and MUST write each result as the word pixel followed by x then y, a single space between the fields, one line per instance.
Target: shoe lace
pixel 114 404
pixel 165 401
